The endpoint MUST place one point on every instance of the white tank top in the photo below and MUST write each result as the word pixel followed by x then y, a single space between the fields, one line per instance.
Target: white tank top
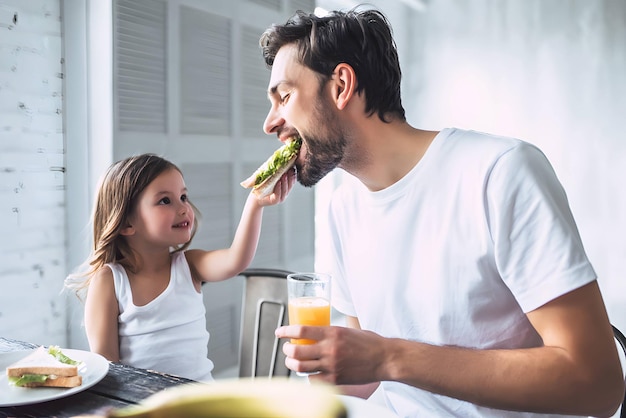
pixel 168 334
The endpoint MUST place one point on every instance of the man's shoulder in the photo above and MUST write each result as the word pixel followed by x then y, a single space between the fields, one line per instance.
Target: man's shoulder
pixel 460 136
pixel 471 145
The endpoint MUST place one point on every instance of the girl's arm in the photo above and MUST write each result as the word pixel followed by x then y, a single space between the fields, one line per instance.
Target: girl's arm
pixel 101 312
pixel 228 262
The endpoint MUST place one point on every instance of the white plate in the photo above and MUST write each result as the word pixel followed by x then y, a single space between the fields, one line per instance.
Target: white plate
pixel 93 369
pixel 361 408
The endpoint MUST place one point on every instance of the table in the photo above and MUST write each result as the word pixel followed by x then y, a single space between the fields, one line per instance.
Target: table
pixel 123 385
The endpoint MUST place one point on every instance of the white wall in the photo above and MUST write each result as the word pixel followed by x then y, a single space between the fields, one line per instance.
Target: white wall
pixel 550 72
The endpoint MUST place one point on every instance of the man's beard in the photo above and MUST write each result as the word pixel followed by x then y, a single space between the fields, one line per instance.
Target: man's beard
pixel 325 146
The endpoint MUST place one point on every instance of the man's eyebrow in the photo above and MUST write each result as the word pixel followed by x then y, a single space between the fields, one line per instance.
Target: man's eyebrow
pixel 272 90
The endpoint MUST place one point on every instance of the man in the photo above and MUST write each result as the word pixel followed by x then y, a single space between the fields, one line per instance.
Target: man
pixel 457 261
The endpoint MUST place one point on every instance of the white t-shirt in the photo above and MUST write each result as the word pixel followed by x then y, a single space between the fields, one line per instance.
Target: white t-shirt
pixel 168 334
pixel 475 235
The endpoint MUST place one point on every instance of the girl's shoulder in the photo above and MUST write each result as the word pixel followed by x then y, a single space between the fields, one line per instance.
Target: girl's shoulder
pixel 102 281
pixel 188 260
pixel 103 273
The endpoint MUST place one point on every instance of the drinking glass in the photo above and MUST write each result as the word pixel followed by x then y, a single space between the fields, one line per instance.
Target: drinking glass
pixel 309 302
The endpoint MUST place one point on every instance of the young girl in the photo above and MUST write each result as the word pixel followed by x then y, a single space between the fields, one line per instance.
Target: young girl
pixel 144 304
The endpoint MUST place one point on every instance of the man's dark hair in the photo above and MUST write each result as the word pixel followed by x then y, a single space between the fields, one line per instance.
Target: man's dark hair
pixel 362 39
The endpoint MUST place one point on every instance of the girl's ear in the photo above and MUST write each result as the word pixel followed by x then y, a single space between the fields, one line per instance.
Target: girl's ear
pixel 344 84
pixel 127 230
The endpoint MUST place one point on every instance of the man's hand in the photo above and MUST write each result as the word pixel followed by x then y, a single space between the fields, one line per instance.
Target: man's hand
pixel 341 355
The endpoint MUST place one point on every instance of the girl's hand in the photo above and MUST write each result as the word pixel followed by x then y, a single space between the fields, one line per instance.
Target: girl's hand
pixel 281 190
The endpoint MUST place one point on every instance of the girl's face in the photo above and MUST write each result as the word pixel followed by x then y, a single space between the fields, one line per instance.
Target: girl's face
pixel 163 216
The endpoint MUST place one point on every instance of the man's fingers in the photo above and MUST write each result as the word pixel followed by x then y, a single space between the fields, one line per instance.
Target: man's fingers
pixel 300 331
pixel 303 366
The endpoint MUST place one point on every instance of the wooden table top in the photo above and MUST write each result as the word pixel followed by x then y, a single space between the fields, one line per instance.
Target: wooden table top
pixel 123 385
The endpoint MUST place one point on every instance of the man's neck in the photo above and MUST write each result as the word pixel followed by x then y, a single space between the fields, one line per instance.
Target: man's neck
pixel 387 152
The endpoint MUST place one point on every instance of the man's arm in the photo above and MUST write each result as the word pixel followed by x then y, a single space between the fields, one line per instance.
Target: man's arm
pixel 361 391
pixel 577 371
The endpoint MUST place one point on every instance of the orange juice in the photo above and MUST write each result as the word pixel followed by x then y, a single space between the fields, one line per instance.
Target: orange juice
pixel 308 311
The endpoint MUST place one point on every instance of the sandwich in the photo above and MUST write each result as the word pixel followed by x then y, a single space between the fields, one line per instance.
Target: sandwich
pixel 264 179
pixel 45 367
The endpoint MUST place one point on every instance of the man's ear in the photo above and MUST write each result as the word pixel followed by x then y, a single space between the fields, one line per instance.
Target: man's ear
pixel 344 84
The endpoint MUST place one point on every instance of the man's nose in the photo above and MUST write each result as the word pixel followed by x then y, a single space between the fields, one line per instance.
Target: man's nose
pixel 273 121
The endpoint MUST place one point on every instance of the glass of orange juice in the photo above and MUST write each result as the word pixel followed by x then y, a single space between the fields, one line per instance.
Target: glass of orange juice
pixel 309 301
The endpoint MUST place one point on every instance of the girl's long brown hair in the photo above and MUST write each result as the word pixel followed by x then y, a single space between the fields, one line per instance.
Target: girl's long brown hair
pixel 116 200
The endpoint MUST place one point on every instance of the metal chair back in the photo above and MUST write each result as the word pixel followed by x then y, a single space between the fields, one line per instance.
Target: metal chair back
pixel 264 308
pixel 622 342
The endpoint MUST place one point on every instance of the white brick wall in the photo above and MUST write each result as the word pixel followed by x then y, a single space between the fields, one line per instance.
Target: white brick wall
pixel 32 172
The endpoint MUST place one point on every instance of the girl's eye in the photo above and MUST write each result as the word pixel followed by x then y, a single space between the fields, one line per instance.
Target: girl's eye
pixel 184 198
pixel 165 201
pixel 283 99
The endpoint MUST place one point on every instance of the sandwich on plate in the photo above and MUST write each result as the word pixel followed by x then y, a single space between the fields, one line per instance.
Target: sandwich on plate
pixel 263 180
pixel 45 367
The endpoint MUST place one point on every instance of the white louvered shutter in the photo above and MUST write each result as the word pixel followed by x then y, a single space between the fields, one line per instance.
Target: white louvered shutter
pixel 140 65
pixel 205 69
pixel 268 4
pixel 214 202
pixel 304 5
pixel 254 79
